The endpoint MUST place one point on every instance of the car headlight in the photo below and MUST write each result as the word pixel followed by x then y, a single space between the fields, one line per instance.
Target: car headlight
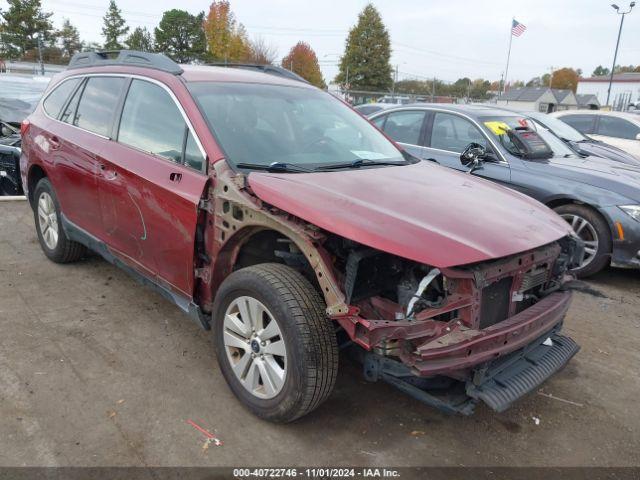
pixel 632 210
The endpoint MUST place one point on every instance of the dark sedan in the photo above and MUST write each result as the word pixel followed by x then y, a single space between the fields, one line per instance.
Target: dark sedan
pixel 600 198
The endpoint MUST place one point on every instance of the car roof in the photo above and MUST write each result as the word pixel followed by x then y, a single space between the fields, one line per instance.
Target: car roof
pixel 471 110
pixel 625 115
pixel 204 73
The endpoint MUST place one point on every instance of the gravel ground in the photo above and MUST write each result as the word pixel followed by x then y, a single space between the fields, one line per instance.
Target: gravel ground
pixel 96 370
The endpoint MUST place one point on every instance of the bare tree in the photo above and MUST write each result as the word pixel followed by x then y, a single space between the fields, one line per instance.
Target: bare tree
pixel 261 52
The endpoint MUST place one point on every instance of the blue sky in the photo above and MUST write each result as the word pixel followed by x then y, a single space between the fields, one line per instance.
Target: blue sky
pixel 443 38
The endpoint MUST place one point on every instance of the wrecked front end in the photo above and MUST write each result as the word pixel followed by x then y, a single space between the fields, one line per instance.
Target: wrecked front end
pixel 451 336
pixel 454 336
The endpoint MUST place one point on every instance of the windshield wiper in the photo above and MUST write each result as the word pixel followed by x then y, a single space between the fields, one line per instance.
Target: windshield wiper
pixel 275 167
pixel 360 163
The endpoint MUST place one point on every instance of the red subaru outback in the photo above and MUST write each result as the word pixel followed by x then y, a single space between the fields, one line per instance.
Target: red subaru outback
pixel 272 213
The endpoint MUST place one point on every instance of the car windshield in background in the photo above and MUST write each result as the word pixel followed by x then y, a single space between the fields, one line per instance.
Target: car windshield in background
pixel 267 124
pixel 494 125
pixel 557 126
pixel 19 96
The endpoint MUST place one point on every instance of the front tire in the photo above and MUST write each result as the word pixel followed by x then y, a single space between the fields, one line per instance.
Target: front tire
pixel 53 240
pixel 594 231
pixel 275 346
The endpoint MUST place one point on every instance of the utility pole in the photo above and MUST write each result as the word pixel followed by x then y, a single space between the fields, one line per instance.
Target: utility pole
pixel 433 89
pixel 615 55
pixel 551 79
pixel 40 54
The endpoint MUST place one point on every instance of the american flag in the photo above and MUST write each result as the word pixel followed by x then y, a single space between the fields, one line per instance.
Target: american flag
pixel 517 28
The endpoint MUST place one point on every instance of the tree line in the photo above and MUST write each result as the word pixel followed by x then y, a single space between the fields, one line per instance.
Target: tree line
pixel 217 36
pixel 26 32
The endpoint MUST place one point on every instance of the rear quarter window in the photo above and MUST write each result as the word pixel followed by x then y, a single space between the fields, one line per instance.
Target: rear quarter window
pixel 58 97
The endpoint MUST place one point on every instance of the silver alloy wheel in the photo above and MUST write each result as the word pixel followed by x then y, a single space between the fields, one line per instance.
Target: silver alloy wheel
pixel 587 234
pixel 255 347
pixel 48 220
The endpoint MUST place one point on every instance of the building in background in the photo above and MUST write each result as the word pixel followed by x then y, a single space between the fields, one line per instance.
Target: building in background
pixel 538 99
pixel 625 89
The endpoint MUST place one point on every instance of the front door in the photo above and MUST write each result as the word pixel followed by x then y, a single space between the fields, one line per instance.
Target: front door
pixel 447 138
pixel 151 182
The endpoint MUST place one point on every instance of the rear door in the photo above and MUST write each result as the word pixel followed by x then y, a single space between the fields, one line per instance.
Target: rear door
pixel 405 127
pixel 448 134
pixel 76 137
pixel 151 181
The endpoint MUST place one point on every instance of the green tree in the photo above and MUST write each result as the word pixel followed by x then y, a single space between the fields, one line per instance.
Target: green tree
pixel 226 38
pixel 180 36
pixel 20 26
pixel 69 38
pixel 303 61
pixel 140 39
pixel 600 71
pixel 367 53
pixel 114 27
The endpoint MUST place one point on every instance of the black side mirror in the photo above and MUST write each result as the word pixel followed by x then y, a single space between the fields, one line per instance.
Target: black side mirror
pixel 473 155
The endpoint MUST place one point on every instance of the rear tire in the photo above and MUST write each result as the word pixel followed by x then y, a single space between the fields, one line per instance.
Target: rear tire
pixel 51 235
pixel 299 351
pixel 587 223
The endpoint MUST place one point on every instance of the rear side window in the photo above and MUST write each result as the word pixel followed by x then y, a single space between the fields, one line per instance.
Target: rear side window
pixel 617 127
pixel 98 103
pixel 582 123
pixel 58 97
pixel 151 121
pixel 405 127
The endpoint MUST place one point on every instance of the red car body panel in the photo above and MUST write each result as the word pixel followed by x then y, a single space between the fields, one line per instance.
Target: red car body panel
pixel 423 212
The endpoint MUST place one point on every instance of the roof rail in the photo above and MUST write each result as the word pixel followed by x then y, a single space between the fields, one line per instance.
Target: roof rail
pixel 271 69
pixel 132 58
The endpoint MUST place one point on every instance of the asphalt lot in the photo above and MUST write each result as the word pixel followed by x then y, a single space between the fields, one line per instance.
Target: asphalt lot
pixel 97 370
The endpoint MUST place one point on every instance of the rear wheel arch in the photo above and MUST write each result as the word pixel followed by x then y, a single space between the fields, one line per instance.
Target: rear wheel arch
pixel 35 174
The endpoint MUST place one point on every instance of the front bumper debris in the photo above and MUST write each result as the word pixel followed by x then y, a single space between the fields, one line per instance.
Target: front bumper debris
pixel 505 381
pixel 498 383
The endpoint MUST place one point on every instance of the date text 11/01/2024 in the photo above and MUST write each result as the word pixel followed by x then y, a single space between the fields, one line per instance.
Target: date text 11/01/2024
pixel 316 473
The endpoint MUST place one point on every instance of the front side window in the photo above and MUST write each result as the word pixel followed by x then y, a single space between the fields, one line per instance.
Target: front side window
pixel 405 127
pixel 379 122
pixel 617 127
pixel 262 124
pixel 152 122
pixel 582 123
pixel 454 133
pixel 192 155
pixel 98 103
pixel 58 97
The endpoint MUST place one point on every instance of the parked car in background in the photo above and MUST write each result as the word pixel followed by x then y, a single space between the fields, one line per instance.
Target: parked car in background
pixel 395 99
pixel 584 145
pixel 599 198
pixel 616 128
pixel 371 108
pixel 19 95
pixel 271 212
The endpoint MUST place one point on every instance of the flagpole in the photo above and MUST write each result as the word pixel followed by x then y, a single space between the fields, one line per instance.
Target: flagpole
pixel 506 70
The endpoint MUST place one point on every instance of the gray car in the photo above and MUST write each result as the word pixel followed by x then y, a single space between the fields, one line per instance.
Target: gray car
pixel 600 198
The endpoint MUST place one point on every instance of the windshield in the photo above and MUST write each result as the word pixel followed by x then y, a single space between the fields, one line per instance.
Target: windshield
pixel 561 129
pixel 496 126
pixel 265 124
